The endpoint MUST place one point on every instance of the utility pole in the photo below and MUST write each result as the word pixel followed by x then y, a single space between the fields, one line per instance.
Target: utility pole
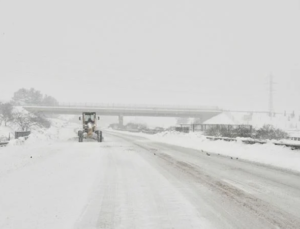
pixel 271 90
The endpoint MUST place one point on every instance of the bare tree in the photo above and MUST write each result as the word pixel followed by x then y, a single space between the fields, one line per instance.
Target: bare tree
pixel 24 120
pixel 6 114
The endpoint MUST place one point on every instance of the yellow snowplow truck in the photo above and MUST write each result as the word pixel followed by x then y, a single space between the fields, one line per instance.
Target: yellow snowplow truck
pixel 89 123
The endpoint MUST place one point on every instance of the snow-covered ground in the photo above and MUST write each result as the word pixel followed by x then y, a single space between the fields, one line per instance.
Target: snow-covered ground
pixel 268 154
pixel 6 132
pixel 53 181
pixel 287 122
pixel 20 152
pixel 45 187
pixel 43 183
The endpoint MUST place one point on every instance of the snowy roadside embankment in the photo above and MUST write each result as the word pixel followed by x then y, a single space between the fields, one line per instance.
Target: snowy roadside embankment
pixel 45 181
pixel 52 189
pixel 268 153
pixel 40 144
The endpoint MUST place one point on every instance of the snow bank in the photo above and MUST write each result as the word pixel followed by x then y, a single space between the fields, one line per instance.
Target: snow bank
pixel 286 122
pixel 46 186
pixel 60 130
pixel 268 154
pixel 20 152
pixel 46 180
pixel 6 132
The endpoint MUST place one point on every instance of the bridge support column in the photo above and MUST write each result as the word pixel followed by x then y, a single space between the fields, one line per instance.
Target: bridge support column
pixel 121 120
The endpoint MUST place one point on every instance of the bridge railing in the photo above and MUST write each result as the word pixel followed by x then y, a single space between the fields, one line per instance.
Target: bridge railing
pixel 134 106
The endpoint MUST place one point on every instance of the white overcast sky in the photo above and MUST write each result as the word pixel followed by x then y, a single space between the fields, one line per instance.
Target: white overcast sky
pixel 187 52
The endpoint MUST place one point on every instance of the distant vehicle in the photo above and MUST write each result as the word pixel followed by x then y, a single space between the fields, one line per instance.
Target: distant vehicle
pixel 89 123
pixel 159 129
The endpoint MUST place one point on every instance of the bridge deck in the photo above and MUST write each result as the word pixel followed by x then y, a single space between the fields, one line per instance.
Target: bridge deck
pixel 129 111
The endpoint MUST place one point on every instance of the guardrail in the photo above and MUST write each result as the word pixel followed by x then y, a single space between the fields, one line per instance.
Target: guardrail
pixel 253 141
pixel 293 146
pixel 203 127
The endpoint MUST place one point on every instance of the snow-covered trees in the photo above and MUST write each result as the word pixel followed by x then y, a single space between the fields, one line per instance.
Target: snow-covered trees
pixel 264 133
pixel 11 113
pixel 49 101
pixel 270 132
pixel 41 120
pixel 6 114
pixel 32 97
pixel 24 120
pixel 27 97
pixel 223 131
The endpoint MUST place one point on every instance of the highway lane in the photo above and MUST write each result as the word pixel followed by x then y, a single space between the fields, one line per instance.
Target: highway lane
pixel 155 185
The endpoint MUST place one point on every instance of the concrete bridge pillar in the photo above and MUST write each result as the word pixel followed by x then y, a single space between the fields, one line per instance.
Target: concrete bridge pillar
pixel 121 120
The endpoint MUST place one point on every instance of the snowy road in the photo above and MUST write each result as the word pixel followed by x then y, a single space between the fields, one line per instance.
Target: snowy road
pixel 131 182
pixel 190 188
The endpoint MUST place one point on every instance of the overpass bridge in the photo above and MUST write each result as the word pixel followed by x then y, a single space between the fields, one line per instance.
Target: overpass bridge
pixel 201 112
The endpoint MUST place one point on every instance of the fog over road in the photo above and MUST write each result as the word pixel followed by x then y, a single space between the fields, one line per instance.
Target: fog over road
pixel 131 182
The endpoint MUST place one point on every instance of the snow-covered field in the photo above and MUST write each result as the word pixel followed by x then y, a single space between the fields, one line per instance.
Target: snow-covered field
pixel 268 154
